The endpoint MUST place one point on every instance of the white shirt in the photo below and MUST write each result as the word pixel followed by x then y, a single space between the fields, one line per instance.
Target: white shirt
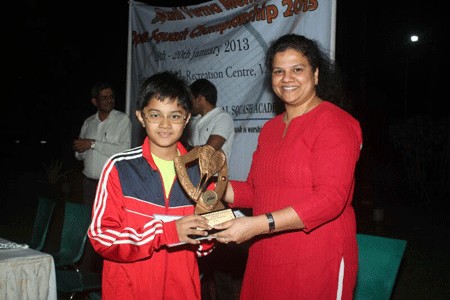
pixel 111 136
pixel 215 122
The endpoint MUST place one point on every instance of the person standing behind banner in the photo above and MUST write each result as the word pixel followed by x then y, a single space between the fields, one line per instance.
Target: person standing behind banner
pixel 210 125
pixel 138 185
pixel 300 185
pixel 102 135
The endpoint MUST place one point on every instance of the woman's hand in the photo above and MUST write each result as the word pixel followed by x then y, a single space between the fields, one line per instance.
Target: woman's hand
pixel 190 226
pixel 240 230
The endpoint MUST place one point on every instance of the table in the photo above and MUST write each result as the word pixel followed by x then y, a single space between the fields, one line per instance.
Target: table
pixel 26 274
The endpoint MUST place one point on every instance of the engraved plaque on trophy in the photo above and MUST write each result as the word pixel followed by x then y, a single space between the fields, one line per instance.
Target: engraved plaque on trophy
pixel 213 170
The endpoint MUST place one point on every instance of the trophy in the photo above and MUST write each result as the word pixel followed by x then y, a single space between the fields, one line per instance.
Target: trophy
pixel 213 169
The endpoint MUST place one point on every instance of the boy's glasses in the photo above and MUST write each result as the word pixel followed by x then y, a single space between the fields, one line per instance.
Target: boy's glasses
pixel 155 117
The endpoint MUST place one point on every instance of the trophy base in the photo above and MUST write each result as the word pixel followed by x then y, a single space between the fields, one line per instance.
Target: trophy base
pixel 219 216
pixel 214 218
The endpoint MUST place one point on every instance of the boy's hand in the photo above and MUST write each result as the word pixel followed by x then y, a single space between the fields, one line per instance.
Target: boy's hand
pixel 192 225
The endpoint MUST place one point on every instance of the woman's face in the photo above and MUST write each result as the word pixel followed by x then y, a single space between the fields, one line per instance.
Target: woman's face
pixel 293 79
pixel 164 122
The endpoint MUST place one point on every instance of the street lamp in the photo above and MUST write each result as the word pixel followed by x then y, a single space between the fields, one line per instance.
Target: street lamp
pixel 414 39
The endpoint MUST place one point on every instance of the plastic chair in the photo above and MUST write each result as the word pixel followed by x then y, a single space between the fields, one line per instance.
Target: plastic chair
pixel 69 279
pixel 77 218
pixel 379 262
pixel 95 296
pixel 44 213
pixel 71 283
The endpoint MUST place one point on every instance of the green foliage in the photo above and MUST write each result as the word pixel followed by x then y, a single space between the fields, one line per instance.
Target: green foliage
pixel 424 144
pixel 54 171
pixel 64 185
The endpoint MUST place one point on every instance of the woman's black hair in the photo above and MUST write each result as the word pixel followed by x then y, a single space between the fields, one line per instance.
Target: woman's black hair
pixel 329 86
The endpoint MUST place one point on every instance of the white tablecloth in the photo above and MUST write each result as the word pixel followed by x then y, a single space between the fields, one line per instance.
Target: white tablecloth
pixel 26 274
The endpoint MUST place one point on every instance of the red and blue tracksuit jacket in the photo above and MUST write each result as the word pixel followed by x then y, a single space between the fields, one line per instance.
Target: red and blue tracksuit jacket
pixel 137 262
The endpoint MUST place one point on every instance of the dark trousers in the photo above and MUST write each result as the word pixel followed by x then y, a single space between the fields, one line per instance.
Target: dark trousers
pixel 89 189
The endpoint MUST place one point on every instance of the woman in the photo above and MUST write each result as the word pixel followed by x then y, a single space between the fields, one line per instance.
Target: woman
pixel 300 186
pixel 137 185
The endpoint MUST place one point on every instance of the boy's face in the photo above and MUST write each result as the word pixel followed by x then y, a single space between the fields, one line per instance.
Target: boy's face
pixel 164 122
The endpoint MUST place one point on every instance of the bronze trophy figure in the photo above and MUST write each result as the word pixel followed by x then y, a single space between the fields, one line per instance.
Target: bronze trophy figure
pixel 213 168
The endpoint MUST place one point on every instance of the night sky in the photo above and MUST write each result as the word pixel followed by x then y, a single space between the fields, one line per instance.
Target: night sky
pixel 56 51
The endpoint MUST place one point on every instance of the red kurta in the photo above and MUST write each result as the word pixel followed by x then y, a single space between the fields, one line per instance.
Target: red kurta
pixel 312 170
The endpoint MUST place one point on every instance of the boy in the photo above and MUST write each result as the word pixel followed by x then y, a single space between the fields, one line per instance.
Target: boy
pixel 139 183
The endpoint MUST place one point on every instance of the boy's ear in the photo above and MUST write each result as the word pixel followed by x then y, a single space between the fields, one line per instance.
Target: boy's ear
pixel 187 119
pixel 139 117
pixel 94 102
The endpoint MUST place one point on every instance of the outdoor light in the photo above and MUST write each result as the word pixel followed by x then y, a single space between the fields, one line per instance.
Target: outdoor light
pixel 414 39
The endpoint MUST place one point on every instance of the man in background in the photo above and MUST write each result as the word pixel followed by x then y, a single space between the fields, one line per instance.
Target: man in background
pixel 102 135
pixel 210 125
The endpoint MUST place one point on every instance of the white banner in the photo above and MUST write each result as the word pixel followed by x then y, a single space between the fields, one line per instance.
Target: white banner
pixel 225 42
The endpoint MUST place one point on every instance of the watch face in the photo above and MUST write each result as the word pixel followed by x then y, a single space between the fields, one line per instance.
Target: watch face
pixel 92 145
